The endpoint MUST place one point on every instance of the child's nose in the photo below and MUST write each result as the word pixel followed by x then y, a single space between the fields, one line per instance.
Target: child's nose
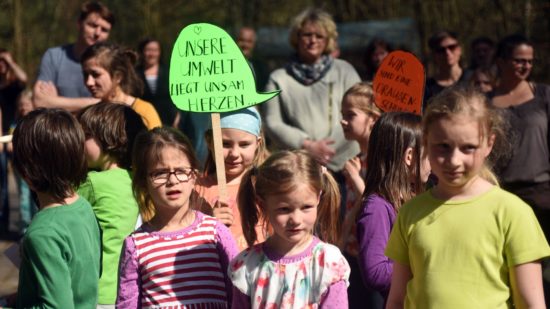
pixel 233 152
pixel 454 158
pixel 294 217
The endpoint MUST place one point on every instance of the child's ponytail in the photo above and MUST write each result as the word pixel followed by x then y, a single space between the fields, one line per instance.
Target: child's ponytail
pixel 246 198
pixel 280 174
pixel 328 223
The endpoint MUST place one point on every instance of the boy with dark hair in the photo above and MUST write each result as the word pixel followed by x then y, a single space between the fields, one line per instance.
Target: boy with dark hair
pixel 61 250
pixel 110 131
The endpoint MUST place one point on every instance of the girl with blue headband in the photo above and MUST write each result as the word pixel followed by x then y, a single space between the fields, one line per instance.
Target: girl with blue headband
pixel 243 147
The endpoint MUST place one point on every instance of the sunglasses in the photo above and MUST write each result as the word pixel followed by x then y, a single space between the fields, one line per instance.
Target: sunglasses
pixel 443 49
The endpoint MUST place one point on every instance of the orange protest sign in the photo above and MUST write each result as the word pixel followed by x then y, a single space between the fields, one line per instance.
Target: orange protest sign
pixel 399 83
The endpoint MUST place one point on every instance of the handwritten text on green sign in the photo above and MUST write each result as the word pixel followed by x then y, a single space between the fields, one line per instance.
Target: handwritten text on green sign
pixel 209 73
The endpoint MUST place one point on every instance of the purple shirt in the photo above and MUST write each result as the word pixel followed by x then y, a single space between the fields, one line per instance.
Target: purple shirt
pixel 373 230
pixel 336 295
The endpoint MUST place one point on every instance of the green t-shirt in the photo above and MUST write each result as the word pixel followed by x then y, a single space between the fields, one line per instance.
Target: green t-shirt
pixel 60 257
pixel 461 252
pixel 110 193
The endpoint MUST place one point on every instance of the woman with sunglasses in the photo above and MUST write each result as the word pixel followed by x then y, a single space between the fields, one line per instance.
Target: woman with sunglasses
pixel 446 53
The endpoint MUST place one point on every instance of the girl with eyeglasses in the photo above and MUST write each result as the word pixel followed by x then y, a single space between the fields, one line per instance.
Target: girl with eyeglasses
pixel 179 256
pixel 446 53
pixel 526 105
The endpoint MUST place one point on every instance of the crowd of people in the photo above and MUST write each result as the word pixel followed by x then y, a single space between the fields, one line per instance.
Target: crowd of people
pixel 330 201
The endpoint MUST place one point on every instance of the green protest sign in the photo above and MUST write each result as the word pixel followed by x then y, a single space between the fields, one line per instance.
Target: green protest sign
pixel 209 73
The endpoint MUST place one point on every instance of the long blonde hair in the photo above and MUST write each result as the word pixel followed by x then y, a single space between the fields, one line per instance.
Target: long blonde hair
pixel 361 96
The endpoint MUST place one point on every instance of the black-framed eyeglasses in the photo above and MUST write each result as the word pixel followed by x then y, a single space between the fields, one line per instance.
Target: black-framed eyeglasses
pixel 162 176
pixel 522 61
pixel 443 49
pixel 314 35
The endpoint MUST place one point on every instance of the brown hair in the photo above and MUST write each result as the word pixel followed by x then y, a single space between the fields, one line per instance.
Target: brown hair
pixel 280 174
pixel 49 152
pixel 470 102
pixel 9 77
pixel 141 50
pixel 119 62
pixel 97 7
pixel 318 17
pixel 146 151
pixel 438 37
pixel 506 46
pixel 115 127
pixel 388 175
pixel 361 96
pixel 369 51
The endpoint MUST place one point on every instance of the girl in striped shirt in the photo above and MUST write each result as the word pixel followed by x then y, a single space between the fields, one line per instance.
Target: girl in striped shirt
pixel 179 256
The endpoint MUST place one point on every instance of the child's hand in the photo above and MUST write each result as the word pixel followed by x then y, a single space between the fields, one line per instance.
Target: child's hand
pixel 223 212
pixel 352 170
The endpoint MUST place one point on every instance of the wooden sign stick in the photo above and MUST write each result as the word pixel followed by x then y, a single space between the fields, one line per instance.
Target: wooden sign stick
pixel 218 156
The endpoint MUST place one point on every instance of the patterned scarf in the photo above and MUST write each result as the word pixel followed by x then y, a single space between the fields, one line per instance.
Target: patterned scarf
pixel 308 74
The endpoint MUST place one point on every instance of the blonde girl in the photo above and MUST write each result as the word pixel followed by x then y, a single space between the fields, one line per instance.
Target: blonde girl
pixel 359 113
pixel 397 171
pixel 466 242
pixel 295 267
pixel 243 147
pixel 179 256
pixel 110 76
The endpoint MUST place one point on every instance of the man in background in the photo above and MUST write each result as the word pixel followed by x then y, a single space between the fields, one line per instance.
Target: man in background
pixel 60 82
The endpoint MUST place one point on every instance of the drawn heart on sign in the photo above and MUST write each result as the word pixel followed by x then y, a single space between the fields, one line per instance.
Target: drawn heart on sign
pixel 197 30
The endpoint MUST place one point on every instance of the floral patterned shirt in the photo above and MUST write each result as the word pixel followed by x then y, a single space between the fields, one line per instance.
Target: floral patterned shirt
pixel 299 281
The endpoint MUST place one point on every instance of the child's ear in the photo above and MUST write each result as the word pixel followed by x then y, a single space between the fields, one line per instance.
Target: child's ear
pixel 260 202
pixel 408 157
pixel 490 144
pixel 117 78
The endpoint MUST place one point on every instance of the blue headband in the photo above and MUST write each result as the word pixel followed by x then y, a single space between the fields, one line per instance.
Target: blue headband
pixel 247 119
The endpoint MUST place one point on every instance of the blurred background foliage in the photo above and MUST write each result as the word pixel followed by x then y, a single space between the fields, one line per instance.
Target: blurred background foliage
pixel 29 27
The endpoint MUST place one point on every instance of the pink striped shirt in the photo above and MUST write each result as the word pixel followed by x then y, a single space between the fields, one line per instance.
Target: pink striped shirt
pixel 182 269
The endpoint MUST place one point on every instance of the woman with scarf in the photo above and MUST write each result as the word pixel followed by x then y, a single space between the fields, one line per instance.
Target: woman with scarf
pixel 306 114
